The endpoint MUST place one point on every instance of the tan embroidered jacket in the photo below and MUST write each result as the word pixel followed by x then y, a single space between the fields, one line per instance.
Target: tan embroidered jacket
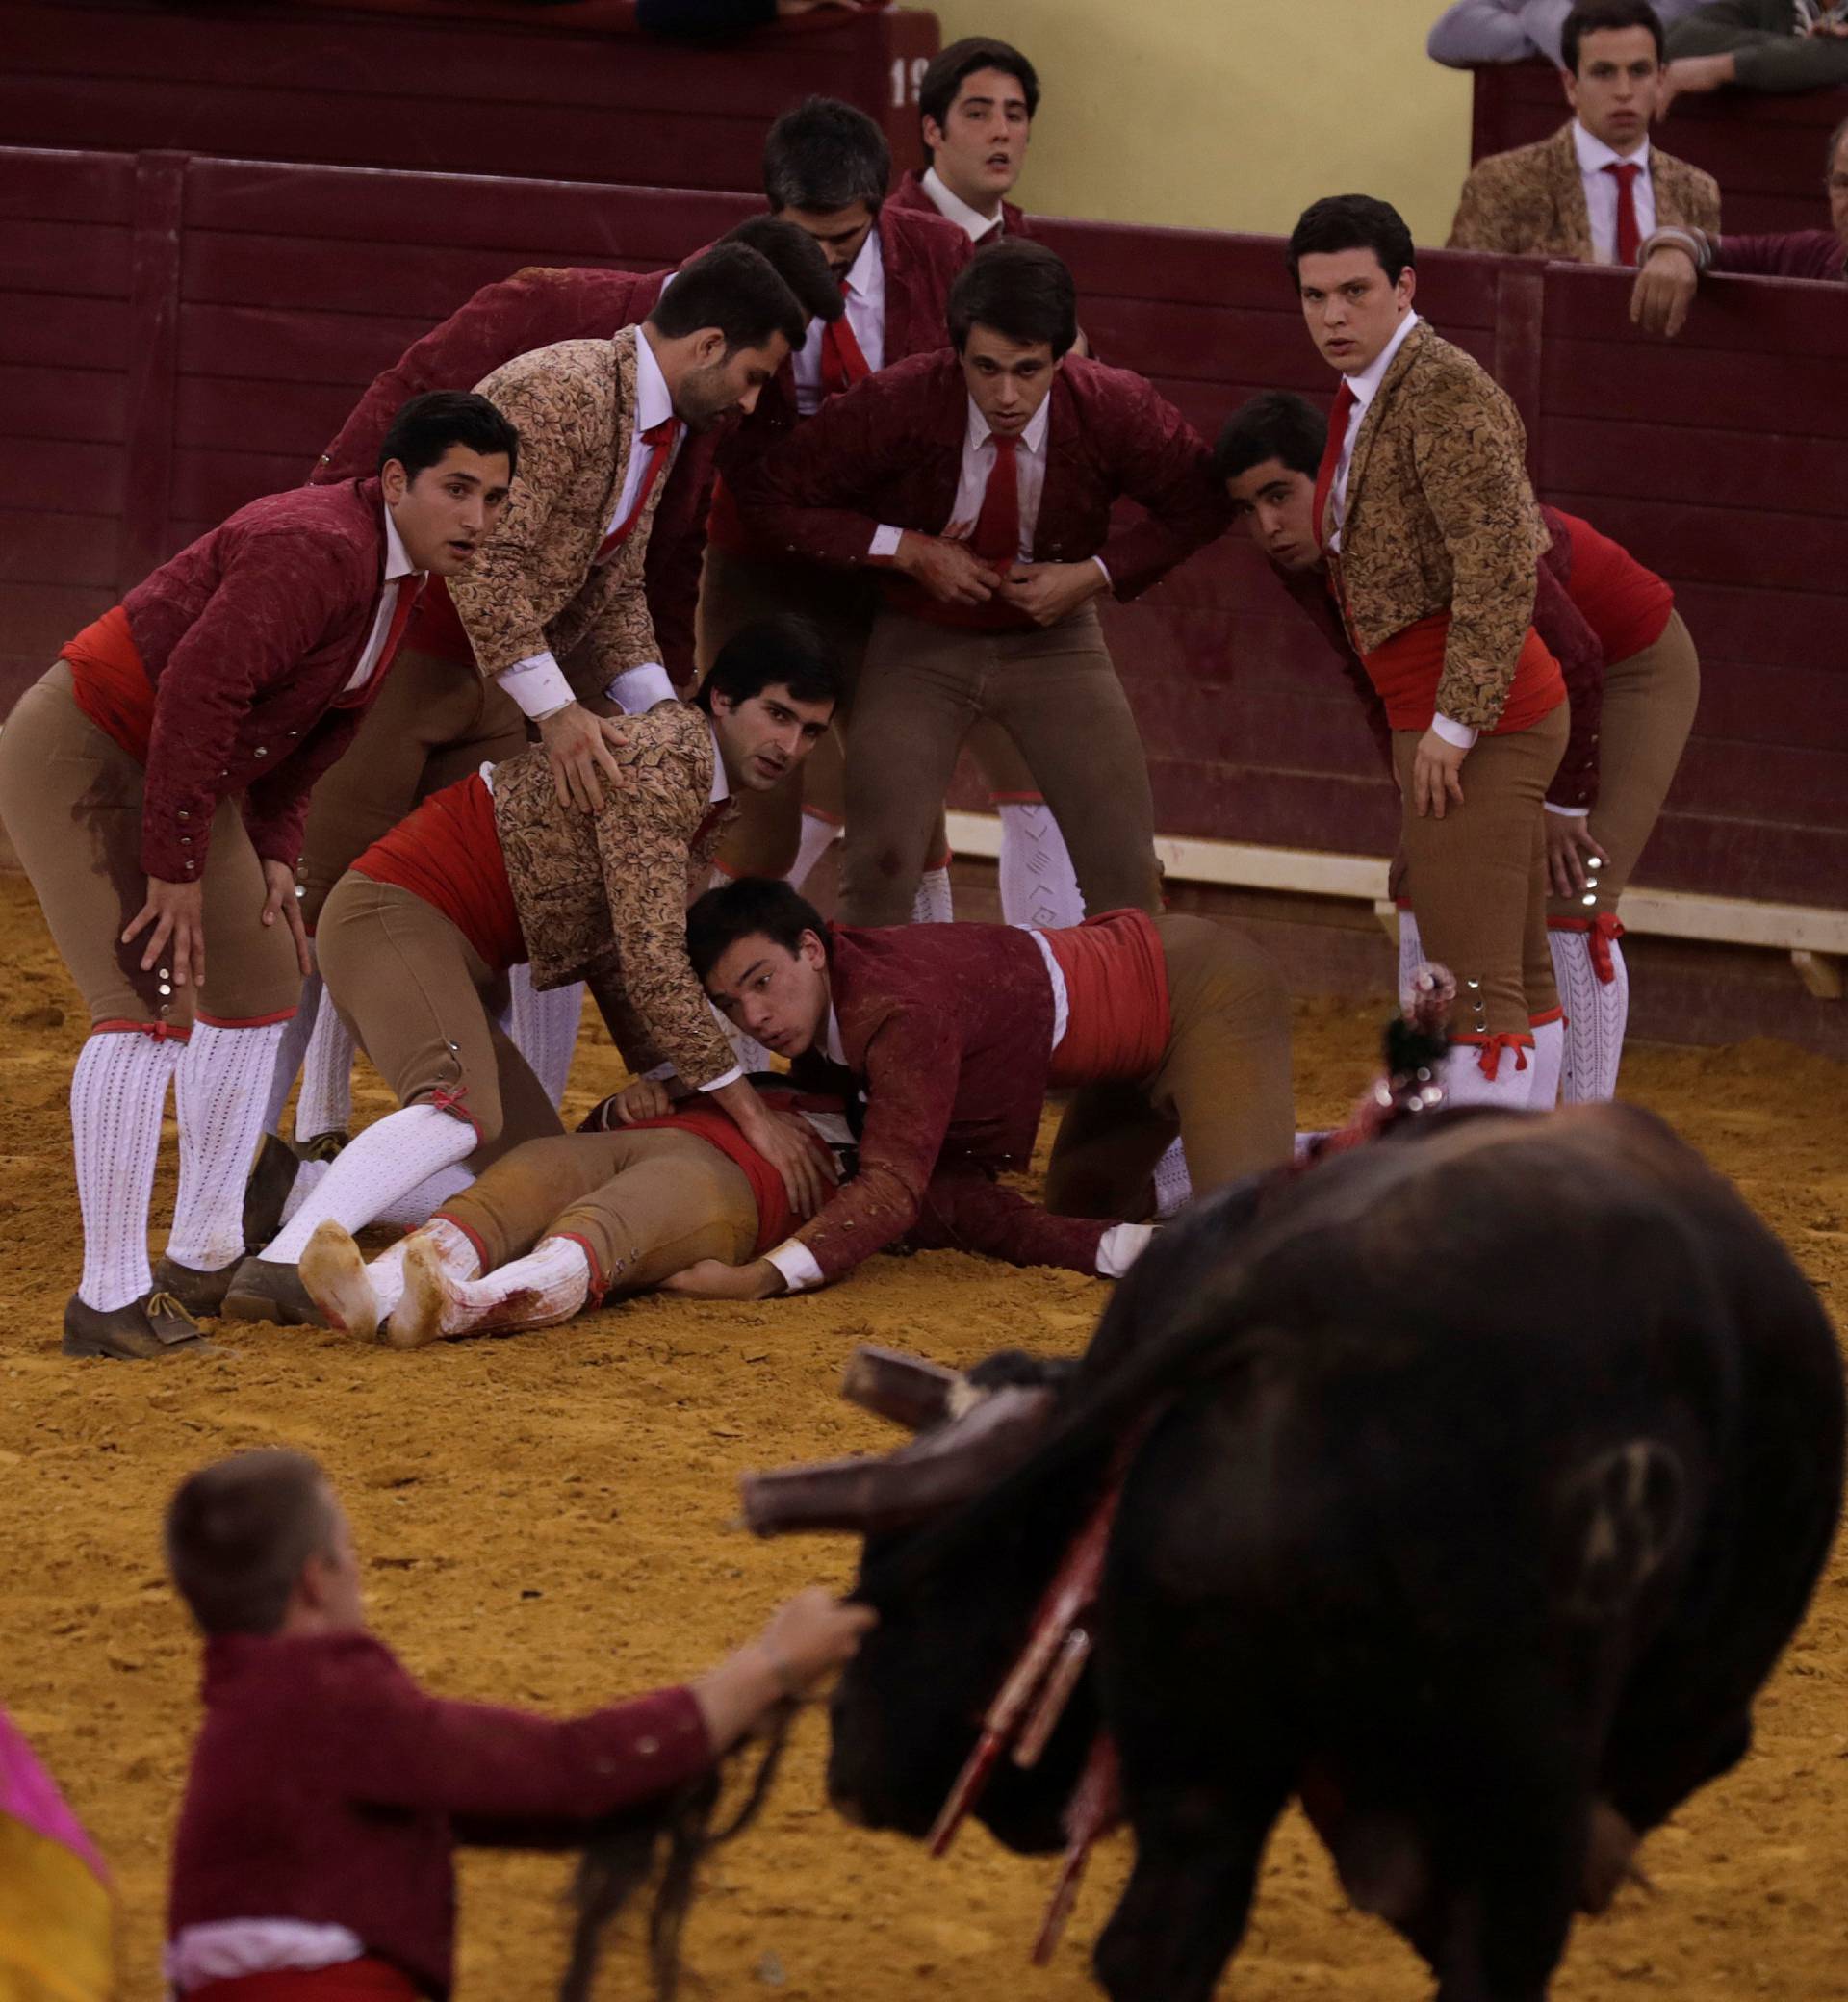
pixel 602 897
pixel 1440 517
pixel 535 585
pixel 1531 202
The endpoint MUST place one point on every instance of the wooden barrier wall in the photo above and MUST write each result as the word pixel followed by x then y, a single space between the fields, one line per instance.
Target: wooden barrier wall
pixel 1766 152
pixel 179 335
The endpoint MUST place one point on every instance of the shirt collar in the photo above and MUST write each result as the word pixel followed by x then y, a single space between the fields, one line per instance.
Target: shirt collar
pixel 1034 437
pixel 721 786
pixel 866 276
pixel 653 401
pixel 955 209
pixel 836 1049
pixel 1594 156
pixel 1365 386
pixel 398 562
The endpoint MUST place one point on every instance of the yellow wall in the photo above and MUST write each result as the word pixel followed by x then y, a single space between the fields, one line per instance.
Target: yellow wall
pixel 1233 113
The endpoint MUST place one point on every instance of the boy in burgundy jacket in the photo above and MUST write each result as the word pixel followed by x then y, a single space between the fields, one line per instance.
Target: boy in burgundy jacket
pixel 155 784
pixel 976 105
pixel 976 484
pixel 327 1792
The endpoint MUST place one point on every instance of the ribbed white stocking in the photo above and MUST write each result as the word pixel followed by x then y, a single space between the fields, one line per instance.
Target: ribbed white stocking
pixel 931 905
pixel 546 1287
pixel 417 1206
pixel 373 1170
pixel 117 1095
pixel 817 836
pixel 1173 1186
pixel 1597 1015
pixel 1411 955
pixel 544 1027
pixel 325 1102
pixel 1465 1082
pixel 219 1101
pixel 455 1252
pixel 1548 1055
pixel 1039 885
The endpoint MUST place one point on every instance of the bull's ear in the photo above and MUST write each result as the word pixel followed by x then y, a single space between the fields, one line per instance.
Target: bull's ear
pixel 905 1389
pixel 1621 1515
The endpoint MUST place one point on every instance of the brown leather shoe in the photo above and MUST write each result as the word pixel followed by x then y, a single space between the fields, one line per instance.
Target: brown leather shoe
pixel 197 1291
pixel 264 1289
pixel 271 1177
pixel 154 1326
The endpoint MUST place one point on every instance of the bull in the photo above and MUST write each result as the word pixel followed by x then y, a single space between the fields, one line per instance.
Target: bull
pixel 1467 1487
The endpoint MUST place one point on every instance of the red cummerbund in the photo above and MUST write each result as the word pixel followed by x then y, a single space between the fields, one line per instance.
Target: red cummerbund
pixel 711 1122
pixel 448 852
pixel 1117 1020
pixel 1406 670
pixel 1625 605
pixel 110 684
pixel 436 627
pixel 347 1981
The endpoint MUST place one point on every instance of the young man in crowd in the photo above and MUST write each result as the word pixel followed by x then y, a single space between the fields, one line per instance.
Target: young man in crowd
pixel 155 784
pixel 977 484
pixel 1672 259
pixel 1774 45
pixel 1634 679
pixel 327 1792
pixel 1432 537
pixel 418 936
pixel 977 102
pixel 1597 189
pixel 953 1034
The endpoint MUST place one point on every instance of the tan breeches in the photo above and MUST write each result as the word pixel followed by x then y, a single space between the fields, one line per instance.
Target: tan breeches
pixel 644 1204
pixel 1477 878
pixel 1056 692
pixel 1224 1083
pixel 435 721
pixel 422 1003
pixel 1649 702
pixel 73 799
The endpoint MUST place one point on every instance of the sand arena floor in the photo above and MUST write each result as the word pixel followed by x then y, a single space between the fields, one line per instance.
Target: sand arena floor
pixel 547 1521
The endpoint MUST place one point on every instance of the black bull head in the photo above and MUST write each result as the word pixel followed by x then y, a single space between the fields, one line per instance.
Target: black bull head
pixel 1466 1488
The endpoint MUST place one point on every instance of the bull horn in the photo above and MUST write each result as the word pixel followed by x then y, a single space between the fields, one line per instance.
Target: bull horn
pixel 905 1389
pixel 898 1489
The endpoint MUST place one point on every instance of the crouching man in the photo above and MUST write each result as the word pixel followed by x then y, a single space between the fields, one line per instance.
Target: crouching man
pixel 947 1038
pixel 327 1792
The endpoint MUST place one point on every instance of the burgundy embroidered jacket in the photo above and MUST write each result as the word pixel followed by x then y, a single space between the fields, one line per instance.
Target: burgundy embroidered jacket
pixel 890 451
pixel 911 193
pixel 1558 622
pixel 328 1787
pixel 948 1029
pixel 537 308
pixel 249 636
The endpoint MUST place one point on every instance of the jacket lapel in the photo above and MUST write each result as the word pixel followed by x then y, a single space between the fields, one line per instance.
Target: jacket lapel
pixel 1370 425
pixel 900 292
pixel 1065 472
pixel 1569 199
pixel 622 419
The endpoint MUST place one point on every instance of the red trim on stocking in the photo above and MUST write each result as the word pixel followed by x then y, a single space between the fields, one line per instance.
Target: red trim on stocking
pixel 248 1021
pixel 157 1032
pixel 1601 933
pixel 1540 1022
pixel 1491 1046
pixel 455 1104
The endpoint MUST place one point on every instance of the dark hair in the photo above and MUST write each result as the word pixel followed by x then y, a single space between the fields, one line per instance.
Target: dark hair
pixel 741 909
pixel 780 652
pixel 825 155
pixel 733 288
pixel 428 426
pixel 238 1533
pixel 797 259
pixel 946 73
pixel 1351 222
pixel 1595 16
pixel 1277 424
pixel 1022 289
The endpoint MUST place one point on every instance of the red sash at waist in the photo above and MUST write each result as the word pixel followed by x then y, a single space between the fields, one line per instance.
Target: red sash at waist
pixel 1407 668
pixel 448 852
pixel 436 627
pixel 347 1981
pixel 710 1122
pixel 1118 1022
pixel 1625 604
pixel 110 683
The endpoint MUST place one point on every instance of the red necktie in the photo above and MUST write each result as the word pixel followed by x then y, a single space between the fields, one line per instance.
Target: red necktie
pixel 402 605
pixel 708 822
pixel 1331 455
pixel 1629 238
pixel 842 364
pixel 997 527
pixel 661 440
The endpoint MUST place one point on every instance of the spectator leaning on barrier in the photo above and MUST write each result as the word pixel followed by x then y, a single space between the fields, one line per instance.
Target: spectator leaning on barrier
pixel 1597 189
pixel 1510 31
pixel 1672 259
pixel 1758 45
pixel 977 103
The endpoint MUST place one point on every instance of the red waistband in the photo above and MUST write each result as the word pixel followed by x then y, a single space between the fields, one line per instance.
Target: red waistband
pixel 1406 669
pixel 110 684
pixel 448 852
pixel 365 1980
pixel 710 1122
pixel 1117 1021
pixel 436 627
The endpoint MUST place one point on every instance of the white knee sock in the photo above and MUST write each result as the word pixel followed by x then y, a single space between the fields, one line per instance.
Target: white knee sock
pixel 1411 955
pixel 931 905
pixel 547 1286
pixel 117 1096
pixel 1173 1186
pixel 1466 1082
pixel 385 1161
pixel 818 835
pixel 325 1103
pixel 417 1206
pixel 455 1252
pixel 219 1098
pixel 291 1051
pixel 545 1028
pixel 1597 1014
pixel 1547 1057
pixel 1039 885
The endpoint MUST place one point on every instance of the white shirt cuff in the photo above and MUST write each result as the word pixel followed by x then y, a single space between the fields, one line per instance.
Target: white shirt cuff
pixel 794 1260
pixel 1120 1247
pixel 719 1084
pixel 884 542
pixel 661 1072
pixel 637 689
pixel 538 686
pixel 1461 735
pixel 1571 812
pixel 1109 582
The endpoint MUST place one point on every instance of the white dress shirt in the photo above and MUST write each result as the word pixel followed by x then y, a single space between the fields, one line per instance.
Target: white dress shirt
pixel 864 289
pixel 227 1949
pixel 952 205
pixel 397 564
pixel 1601 191
pixel 538 684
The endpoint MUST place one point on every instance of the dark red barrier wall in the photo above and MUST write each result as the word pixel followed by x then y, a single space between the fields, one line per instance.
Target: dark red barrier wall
pixel 528 90
pixel 1765 152
pixel 178 335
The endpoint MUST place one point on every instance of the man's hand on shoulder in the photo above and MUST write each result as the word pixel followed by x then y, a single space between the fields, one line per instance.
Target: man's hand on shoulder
pixel 579 747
